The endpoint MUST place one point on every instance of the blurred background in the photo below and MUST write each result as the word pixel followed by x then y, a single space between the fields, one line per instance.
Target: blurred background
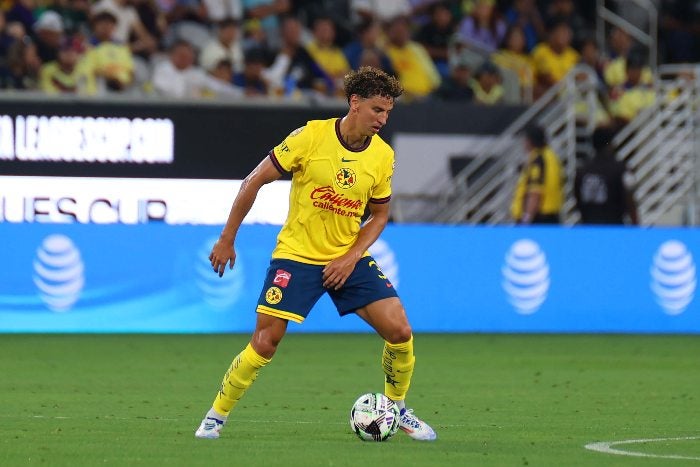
pixel 126 127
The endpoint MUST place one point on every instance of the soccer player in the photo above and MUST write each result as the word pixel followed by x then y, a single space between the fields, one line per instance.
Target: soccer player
pixel 339 167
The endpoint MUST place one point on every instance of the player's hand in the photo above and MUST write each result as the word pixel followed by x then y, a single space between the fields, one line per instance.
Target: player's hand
pixel 222 253
pixel 337 271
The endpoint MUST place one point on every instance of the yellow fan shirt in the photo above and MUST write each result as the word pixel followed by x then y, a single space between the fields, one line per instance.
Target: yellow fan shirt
pixel 331 186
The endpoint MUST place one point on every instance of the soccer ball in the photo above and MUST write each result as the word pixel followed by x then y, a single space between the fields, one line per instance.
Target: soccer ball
pixel 374 417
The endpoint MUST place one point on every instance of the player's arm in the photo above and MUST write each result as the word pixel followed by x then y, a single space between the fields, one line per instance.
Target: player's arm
pixel 337 271
pixel 223 251
pixel 533 193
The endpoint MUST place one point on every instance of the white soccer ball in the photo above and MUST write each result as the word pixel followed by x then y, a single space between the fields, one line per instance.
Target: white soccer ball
pixel 374 417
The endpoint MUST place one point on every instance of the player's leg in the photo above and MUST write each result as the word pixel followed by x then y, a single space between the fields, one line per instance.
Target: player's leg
pixel 269 331
pixel 388 318
pixel 289 292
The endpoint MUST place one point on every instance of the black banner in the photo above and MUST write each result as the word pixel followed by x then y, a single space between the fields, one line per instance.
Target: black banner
pixel 210 141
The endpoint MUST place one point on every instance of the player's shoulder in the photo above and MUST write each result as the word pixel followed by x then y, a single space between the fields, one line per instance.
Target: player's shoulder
pixel 310 126
pixel 382 147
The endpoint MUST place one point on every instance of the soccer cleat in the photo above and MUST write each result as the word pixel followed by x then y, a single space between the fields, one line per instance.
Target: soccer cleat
pixel 210 428
pixel 415 427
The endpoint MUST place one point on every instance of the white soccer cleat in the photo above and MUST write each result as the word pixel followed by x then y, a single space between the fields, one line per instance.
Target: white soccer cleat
pixel 210 428
pixel 415 427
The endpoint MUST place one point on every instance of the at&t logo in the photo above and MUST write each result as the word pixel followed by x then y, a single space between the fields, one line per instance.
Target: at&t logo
pixel 58 272
pixel 673 278
pixel 526 276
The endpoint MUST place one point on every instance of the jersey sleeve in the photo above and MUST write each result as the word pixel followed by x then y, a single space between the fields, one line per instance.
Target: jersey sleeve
pixel 290 153
pixel 535 174
pixel 382 189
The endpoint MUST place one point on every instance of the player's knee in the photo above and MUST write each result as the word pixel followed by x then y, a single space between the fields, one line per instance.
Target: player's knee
pixel 400 334
pixel 265 343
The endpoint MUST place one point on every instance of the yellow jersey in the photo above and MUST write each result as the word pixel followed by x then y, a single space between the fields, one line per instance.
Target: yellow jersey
pixel 330 59
pixel 548 62
pixel 331 186
pixel 415 69
pixel 543 174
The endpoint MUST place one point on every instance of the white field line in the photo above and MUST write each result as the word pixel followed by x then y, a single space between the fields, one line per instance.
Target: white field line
pixel 606 447
pixel 164 419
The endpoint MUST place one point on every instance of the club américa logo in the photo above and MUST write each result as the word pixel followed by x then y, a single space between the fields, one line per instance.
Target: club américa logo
pixel 273 295
pixel 345 178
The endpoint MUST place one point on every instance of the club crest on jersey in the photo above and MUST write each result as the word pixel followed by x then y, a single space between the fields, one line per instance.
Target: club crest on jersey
pixel 345 178
pixel 273 295
pixel 282 278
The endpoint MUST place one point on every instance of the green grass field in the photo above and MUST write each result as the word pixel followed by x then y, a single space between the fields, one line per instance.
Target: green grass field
pixel 502 400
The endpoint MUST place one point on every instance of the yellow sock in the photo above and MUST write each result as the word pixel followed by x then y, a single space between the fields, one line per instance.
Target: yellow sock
pixel 238 378
pixel 398 362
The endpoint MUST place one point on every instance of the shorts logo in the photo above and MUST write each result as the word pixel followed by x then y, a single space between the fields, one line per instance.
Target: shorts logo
pixel 273 295
pixel 345 178
pixel 282 278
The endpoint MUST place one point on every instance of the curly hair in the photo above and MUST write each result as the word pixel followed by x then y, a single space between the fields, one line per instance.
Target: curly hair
pixel 369 82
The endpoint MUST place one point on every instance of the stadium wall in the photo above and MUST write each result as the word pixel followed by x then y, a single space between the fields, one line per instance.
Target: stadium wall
pixel 155 278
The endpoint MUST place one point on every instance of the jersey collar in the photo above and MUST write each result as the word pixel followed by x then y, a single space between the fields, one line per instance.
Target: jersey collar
pixel 345 145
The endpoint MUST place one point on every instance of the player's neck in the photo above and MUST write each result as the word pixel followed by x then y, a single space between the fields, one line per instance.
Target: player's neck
pixel 350 134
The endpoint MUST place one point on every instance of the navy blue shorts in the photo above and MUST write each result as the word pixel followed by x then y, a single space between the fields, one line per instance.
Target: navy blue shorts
pixel 292 288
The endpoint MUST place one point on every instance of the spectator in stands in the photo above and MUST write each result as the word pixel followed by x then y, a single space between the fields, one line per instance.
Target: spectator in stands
pixel 383 11
pixel 538 195
pixel 487 85
pixel 483 29
pixel 75 16
pixel 553 59
pixel 223 71
pixel 153 20
pixel 22 11
pixel 635 95
pixel 590 56
pixel 111 63
pixel 416 71
pixel 179 77
pixel 268 13
pixel 48 31
pixel 128 26
pixel 457 86
pixel 220 10
pixel 23 65
pixel 188 20
pixel 604 188
pixel 293 68
pixel 328 56
pixel 367 37
pixel 6 39
pixel 680 31
pixel 225 46
pixel 251 79
pixel 524 13
pixel 615 72
pixel 435 35
pixel 66 75
pixel 512 56
pixel 565 10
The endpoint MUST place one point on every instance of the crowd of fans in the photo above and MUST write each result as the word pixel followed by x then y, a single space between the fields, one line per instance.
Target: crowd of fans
pixel 459 50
